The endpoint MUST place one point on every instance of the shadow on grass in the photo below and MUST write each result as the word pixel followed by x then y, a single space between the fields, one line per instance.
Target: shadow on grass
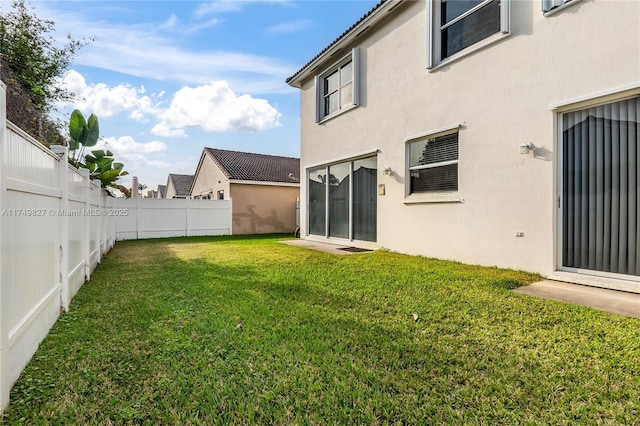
pixel 246 330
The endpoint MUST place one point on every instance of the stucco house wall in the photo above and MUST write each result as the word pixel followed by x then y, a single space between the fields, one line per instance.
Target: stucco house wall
pixel 259 206
pixel 171 190
pixel 263 209
pixel 209 180
pixel 501 96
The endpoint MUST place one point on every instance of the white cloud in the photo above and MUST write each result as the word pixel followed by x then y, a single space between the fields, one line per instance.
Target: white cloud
pixel 174 24
pixel 137 157
pixel 289 27
pixel 153 51
pixel 220 6
pixel 224 6
pixel 212 108
pixel 216 108
pixel 127 146
pixel 161 129
pixel 106 101
pixel 159 164
pixel 171 22
pixel 194 28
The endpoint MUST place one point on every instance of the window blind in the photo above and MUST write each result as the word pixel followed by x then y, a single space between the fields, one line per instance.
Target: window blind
pixel 601 196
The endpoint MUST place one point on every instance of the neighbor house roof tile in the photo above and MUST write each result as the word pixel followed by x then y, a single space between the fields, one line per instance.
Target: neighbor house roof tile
pixel 182 184
pixel 256 167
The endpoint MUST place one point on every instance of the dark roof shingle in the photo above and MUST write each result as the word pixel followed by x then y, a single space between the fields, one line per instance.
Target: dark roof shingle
pixel 256 167
pixel 182 184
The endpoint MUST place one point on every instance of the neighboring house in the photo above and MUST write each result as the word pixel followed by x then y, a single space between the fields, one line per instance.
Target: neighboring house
pixel 263 188
pixel 178 186
pixel 161 192
pixel 489 132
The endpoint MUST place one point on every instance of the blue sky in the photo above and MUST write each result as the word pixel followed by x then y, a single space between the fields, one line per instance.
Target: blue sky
pixel 167 78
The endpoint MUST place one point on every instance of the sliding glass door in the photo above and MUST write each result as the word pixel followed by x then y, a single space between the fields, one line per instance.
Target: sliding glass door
pixel 365 198
pixel 317 193
pixel 600 189
pixel 339 183
pixel 342 200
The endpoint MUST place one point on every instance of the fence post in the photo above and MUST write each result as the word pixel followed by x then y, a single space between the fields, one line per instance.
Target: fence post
pixel 188 213
pixel 86 222
pixel 63 218
pixel 230 222
pixel 94 220
pixel 4 303
pixel 138 217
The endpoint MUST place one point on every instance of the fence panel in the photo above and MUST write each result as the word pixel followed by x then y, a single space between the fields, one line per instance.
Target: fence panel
pixel 30 236
pixel 48 242
pixel 55 227
pixel 31 268
pixel 139 218
pixel 93 216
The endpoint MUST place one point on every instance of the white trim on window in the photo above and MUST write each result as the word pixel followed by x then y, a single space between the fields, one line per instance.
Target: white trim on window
pixel 353 84
pixel 433 133
pixel 430 196
pixel 549 8
pixel 604 96
pixel 465 14
pixel 352 157
pixel 434 31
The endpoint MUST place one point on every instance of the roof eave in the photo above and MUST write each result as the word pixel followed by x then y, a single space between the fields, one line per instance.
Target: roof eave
pixel 355 32
pixel 264 183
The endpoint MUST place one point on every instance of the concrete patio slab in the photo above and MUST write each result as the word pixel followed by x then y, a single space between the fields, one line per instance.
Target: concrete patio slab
pixel 614 301
pixel 326 247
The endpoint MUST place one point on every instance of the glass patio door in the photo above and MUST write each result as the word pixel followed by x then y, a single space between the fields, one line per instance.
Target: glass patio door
pixel 342 200
pixel 600 189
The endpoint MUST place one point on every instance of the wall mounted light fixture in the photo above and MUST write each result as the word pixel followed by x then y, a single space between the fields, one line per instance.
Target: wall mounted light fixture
pixel 386 171
pixel 526 147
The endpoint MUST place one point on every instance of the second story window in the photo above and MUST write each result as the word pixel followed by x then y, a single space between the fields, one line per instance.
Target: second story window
pixel 553 5
pixel 337 87
pixel 457 25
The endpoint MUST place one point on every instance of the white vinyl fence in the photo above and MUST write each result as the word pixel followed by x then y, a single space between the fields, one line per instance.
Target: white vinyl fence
pixel 55 226
pixel 141 218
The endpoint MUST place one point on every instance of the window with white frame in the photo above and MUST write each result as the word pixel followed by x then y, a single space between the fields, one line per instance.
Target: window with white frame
pixel 433 163
pixel 549 5
pixel 456 25
pixel 337 87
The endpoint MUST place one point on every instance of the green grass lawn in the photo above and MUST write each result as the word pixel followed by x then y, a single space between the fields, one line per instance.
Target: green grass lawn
pixel 251 331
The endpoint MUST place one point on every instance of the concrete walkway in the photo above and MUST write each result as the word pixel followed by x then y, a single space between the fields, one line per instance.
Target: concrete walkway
pixel 325 247
pixel 617 302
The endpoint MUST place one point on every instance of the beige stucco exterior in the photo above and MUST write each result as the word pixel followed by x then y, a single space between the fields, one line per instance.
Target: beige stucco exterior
pixel 209 179
pixel 263 209
pixel 501 96
pixel 171 190
pixel 258 207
